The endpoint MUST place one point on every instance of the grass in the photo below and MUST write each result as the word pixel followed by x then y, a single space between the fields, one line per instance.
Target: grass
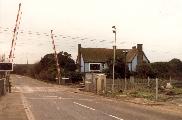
pixel 177 91
pixel 142 94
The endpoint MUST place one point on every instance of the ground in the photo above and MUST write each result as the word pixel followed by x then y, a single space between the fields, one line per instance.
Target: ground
pixel 43 101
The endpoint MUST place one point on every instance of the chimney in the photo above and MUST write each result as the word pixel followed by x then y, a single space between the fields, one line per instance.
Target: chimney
pixel 140 54
pixel 79 57
pixel 139 47
pixel 134 47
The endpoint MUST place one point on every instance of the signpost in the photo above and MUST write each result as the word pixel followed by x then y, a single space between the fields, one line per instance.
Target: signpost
pixel 6 66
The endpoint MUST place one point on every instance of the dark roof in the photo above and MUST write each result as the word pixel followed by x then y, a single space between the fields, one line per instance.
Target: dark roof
pixel 99 54
pixel 131 54
pixel 103 54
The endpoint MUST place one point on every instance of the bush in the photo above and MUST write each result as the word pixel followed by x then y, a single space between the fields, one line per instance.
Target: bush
pixel 75 77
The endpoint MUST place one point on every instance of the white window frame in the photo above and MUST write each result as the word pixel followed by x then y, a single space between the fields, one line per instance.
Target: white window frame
pixel 95 70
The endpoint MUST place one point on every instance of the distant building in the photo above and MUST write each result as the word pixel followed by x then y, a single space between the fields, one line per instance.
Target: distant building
pixel 95 59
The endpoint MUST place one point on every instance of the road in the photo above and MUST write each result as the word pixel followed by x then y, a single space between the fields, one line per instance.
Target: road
pixel 51 102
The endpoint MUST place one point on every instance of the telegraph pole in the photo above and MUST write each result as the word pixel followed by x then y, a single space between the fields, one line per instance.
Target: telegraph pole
pixel 114 56
pixel 125 81
pixel 56 59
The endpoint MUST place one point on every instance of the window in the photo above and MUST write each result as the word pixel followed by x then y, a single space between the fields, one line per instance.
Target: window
pixel 94 66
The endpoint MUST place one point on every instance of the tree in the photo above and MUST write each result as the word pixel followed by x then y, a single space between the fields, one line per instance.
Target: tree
pixel 175 68
pixel 119 67
pixel 144 70
pixel 46 68
pixel 161 69
pixel 176 65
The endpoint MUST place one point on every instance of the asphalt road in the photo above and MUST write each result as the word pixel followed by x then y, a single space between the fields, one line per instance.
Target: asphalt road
pixel 51 102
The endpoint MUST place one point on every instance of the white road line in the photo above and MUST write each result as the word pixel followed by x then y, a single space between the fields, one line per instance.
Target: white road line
pixel 116 117
pixel 51 96
pixel 61 98
pixel 42 98
pixel 84 106
pixel 100 111
pixel 28 112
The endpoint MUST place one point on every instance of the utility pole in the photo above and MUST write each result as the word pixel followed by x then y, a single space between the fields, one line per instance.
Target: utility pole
pixel 125 87
pixel 56 59
pixel 114 56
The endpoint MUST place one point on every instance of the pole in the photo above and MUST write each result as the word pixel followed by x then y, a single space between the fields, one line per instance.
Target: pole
pixel 148 81
pixel 114 57
pixel 56 59
pixel 13 43
pixel 156 93
pixel 15 33
pixel 125 72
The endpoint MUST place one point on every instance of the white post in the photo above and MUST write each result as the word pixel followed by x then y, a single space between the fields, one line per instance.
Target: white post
pixel 114 48
pixel 125 83
pixel 4 85
pixel 148 82
pixel 156 93
pixel 114 57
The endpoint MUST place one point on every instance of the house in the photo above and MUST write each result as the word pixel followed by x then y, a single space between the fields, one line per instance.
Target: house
pixel 95 59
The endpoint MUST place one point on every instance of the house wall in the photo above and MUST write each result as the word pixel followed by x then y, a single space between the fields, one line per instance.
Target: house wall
pixel 105 66
pixel 132 66
pixel 86 67
pixel 129 66
pixel 82 64
pixel 134 63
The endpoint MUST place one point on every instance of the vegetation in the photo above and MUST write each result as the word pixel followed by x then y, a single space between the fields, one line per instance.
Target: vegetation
pixel 46 68
pixel 172 68
pixel 120 68
pixel 22 69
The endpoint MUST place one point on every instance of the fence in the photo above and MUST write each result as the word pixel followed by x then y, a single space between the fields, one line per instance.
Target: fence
pixel 132 84
pixel 177 83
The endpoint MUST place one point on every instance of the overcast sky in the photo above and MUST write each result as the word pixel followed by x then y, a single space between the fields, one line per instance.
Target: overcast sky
pixel 157 24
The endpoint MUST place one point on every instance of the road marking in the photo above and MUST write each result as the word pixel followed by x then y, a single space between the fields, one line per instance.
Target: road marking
pixel 61 98
pixel 99 111
pixel 85 100
pixel 114 116
pixel 84 106
pixel 51 96
pixel 180 105
pixel 28 112
pixel 42 98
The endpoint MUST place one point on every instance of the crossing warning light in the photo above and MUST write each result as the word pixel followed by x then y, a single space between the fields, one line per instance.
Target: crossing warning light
pixel 6 66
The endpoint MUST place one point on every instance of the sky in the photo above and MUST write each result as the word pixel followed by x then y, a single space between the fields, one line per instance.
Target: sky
pixel 157 24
